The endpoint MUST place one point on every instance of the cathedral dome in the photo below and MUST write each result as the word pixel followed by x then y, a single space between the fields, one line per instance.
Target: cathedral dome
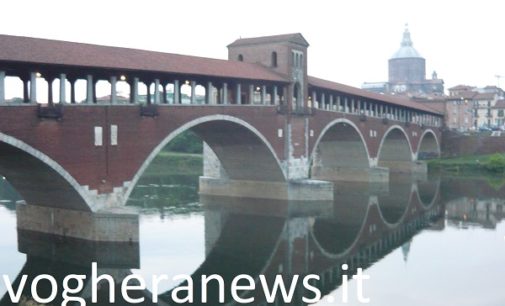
pixel 406 50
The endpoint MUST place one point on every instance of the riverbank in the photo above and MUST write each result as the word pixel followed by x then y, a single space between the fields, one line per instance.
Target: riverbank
pixel 174 163
pixel 493 164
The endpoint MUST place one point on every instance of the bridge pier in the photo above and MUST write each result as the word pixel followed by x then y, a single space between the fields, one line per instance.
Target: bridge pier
pixel 406 167
pixel 115 225
pixel 216 182
pixel 299 190
pixel 351 174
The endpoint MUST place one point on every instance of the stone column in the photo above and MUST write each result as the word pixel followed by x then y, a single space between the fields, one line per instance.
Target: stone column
pixel 33 87
pixel 177 91
pixel 134 91
pixel 26 95
pixel 193 92
pixel 164 90
pixel 323 100
pixel 225 93
pixel 238 94
pixel 251 94
pixel 72 90
pixel 63 89
pixel 89 88
pixel 263 95
pixel 209 93
pixel 113 90
pixel 275 100
pixel 2 86
pixel 331 102
pixel 156 91
pixel 50 99
pixel 314 97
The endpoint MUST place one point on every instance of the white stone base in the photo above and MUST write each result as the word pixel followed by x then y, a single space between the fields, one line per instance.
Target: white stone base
pixel 300 190
pixel 119 225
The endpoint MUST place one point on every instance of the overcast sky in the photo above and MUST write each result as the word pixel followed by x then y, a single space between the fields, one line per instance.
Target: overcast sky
pixel 351 41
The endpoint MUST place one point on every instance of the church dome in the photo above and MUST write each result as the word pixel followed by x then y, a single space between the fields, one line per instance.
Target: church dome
pixel 406 50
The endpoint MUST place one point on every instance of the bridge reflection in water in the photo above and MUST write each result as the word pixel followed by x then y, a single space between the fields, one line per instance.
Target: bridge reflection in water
pixel 258 236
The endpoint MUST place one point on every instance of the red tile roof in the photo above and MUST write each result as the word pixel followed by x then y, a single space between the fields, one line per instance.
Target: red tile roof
pixel 53 52
pixel 402 101
pixel 296 38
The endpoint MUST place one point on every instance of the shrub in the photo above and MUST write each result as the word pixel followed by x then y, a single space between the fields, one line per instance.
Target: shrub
pixel 495 163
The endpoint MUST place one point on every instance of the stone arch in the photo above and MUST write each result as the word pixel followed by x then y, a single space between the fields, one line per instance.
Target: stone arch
pixel 429 145
pixel 45 183
pixel 395 150
pixel 229 137
pixel 340 146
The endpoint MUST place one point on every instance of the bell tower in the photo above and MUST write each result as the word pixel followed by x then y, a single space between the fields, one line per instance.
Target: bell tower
pixel 285 54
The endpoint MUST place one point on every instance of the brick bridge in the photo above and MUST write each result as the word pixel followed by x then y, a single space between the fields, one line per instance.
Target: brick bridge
pixel 266 123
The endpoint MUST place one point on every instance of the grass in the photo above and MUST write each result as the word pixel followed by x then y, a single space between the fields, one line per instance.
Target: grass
pixel 493 163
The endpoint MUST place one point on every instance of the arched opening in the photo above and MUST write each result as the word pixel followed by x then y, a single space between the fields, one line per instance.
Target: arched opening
pixel 241 151
pixel 13 89
pixel 395 151
pixel 80 91
pixel 429 147
pixel 340 153
pixel 274 59
pixel 297 97
pixel 38 182
pixel 240 58
pixel 103 92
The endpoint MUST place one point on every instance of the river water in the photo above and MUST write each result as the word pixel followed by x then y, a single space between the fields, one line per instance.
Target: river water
pixel 435 241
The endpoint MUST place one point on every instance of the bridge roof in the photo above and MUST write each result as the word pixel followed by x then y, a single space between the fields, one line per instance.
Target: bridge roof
pixel 390 99
pixel 54 52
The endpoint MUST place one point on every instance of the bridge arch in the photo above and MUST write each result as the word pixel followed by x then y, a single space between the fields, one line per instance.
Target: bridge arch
pixel 47 182
pixel 339 145
pixel 233 140
pixel 394 147
pixel 429 145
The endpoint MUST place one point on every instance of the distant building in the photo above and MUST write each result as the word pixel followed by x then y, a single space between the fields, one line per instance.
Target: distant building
pixel 407 74
pixel 470 107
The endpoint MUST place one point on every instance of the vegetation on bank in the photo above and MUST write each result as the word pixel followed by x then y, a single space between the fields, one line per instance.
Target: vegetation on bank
pixel 492 164
pixel 174 163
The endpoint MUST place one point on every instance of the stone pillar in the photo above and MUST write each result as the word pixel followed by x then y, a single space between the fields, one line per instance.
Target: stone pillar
pixel 89 88
pixel 331 102
pixel 193 92
pixel 208 92
pixel 50 99
pixel 225 94
pixel 72 90
pixel 164 90
pixel 26 95
pixel 177 91
pixel 263 95
pixel 113 89
pixel 134 91
pixel 376 110
pixel 275 100
pixel 63 89
pixel 238 94
pixel 381 111
pixel 2 86
pixel 251 94
pixel 156 91
pixel 33 87
pixel 314 97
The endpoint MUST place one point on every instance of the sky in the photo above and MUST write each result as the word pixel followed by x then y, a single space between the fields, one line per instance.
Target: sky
pixel 350 41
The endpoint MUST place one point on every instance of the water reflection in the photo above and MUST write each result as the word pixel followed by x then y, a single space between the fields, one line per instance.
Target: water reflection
pixel 363 226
